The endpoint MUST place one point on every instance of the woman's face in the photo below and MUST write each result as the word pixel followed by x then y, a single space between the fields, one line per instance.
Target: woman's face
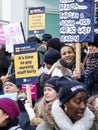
pixel 67 54
pixel 93 49
pixel 3 117
pixel 50 94
pixel 9 87
pixel 76 106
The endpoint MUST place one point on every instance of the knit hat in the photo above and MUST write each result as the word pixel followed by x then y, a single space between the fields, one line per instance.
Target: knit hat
pixel 95 43
pixel 69 87
pixel 52 83
pixel 10 107
pixel 33 39
pixel 54 43
pixel 46 37
pixel 51 56
pixel 13 80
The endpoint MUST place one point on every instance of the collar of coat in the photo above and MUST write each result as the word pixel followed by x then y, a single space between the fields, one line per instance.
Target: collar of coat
pixel 64 123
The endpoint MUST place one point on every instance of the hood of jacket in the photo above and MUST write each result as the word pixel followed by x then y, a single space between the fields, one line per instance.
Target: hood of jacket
pixel 47 115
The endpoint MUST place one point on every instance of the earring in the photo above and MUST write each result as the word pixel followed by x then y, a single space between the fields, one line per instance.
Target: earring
pixel 65 109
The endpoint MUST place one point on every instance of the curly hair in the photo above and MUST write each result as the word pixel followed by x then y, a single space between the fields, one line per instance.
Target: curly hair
pixel 91 103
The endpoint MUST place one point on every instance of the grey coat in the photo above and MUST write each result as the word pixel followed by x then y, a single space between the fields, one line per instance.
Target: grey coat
pixel 43 126
pixel 95 125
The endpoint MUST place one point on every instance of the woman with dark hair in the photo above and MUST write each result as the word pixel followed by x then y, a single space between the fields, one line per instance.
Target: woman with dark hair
pixel 69 112
pixel 66 63
pixel 9 112
pixel 90 75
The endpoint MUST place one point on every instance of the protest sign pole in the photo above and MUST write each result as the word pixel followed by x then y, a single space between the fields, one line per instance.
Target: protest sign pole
pixel 78 56
pixel 22 31
pixel 28 90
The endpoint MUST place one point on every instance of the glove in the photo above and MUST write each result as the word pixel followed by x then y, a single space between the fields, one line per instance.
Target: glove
pixel 21 105
pixel 30 111
pixel 21 101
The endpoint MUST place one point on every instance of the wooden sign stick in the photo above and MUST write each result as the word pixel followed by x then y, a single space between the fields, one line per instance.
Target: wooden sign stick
pixel 28 90
pixel 78 56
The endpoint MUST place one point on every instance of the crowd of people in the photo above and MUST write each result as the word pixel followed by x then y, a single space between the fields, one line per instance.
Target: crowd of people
pixel 67 99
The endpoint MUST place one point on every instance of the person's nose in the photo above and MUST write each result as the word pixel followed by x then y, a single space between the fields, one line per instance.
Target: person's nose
pixel 46 92
pixel 83 105
pixel 67 54
pixel 6 86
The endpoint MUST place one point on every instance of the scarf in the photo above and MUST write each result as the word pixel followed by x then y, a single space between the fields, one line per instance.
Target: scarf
pixel 92 62
pixel 70 65
pixel 64 122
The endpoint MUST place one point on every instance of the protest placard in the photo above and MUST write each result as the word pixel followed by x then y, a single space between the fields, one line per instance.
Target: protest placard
pixel 2 37
pixel 13 34
pixel 33 90
pixel 26 63
pixel 36 20
pixel 26 66
pixel 76 21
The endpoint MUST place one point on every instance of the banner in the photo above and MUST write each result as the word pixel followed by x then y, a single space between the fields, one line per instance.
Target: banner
pixel 26 63
pixel 33 87
pixel 36 20
pixel 76 21
pixel 13 35
pixel 2 37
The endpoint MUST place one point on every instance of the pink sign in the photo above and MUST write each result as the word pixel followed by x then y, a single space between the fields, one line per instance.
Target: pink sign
pixel 2 37
pixel 33 90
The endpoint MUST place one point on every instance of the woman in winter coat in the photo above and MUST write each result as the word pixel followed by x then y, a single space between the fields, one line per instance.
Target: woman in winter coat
pixel 90 75
pixel 66 64
pixel 9 112
pixel 50 95
pixel 70 111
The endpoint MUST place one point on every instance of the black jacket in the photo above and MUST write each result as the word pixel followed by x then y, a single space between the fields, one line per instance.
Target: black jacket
pixel 4 63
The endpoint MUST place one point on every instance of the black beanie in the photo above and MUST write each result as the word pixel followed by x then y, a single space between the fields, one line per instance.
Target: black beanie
pixel 13 80
pixel 51 56
pixel 54 43
pixel 52 83
pixel 69 87
pixel 46 37
pixel 95 43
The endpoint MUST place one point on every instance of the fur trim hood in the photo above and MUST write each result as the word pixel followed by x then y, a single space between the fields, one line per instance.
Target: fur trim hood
pixel 47 116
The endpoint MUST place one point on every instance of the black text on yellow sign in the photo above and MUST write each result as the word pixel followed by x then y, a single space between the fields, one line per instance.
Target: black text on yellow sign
pixel 26 65
pixel 36 22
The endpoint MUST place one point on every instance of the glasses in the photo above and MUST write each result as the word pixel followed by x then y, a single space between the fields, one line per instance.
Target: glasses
pixel 9 84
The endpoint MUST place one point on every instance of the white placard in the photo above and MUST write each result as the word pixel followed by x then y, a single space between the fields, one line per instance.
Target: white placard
pixel 13 35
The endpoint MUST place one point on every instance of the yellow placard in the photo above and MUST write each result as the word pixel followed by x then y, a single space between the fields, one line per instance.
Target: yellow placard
pixel 26 65
pixel 36 22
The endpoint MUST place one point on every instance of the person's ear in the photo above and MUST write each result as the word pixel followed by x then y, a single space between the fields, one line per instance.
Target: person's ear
pixel 65 107
pixel 6 116
pixel 65 104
